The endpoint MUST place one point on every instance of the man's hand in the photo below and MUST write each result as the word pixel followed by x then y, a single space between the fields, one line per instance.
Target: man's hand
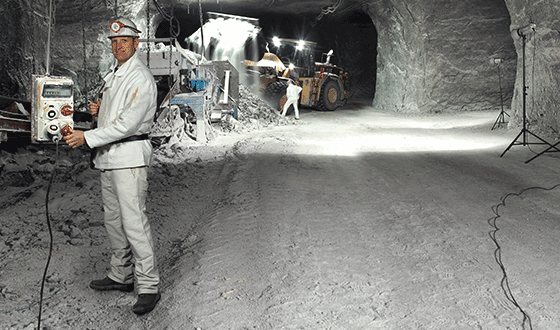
pixel 76 139
pixel 94 108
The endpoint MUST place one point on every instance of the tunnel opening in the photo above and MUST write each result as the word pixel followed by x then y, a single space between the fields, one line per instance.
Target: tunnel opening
pixel 353 37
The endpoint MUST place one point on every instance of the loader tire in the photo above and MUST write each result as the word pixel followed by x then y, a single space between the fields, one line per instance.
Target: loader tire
pixel 275 95
pixel 330 96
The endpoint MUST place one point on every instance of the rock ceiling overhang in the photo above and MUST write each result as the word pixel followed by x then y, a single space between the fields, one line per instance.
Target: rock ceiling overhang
pixel 255 7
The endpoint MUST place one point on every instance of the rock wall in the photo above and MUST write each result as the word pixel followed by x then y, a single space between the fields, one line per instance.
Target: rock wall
pixel 24 27
pixel 436 56
pixel 400 56
pixel 82 50
pixel 542 65
pixel 79 46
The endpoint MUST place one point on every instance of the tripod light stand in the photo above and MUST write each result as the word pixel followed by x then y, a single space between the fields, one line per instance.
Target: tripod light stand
pixel 516 34
pixel 501 117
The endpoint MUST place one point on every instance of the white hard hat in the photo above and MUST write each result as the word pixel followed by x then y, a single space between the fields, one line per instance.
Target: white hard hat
pixel 123 27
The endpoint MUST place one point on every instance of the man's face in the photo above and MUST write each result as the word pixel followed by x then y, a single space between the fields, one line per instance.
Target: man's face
pixel 124 48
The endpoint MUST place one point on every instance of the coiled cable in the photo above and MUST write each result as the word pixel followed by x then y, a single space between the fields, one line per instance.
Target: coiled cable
pixel 498 252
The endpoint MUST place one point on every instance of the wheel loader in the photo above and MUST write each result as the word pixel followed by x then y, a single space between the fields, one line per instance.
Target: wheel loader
pixel 323 84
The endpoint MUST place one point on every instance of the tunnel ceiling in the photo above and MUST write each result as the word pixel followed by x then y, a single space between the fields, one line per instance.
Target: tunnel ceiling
pixel 288 15
pixel 252 7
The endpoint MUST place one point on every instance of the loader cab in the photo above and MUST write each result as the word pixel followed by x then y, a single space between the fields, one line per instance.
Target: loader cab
pixel 297 53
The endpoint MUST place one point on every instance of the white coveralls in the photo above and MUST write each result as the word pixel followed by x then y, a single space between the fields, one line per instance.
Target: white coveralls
pixel 292 93
pixel 127 108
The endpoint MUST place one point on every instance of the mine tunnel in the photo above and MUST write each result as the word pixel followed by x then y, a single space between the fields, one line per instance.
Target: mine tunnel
pixel 387 204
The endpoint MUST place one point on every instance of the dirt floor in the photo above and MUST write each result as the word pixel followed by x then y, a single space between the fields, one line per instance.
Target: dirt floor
pixel 352 219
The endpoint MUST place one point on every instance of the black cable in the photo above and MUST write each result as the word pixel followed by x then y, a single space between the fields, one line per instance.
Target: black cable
pixel 533 73
pixel 174 30
pixel 148 33
pixel 533 83
pixel 84 49
pixel 161 11
pixel 50 236
pixel 200 17
pixel 498 252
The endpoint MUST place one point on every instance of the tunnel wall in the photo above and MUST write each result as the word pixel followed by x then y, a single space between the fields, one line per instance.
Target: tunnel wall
pixel 81 49
pixel 542 64
pixel 435 56
pixel 24 27
pixel 401 69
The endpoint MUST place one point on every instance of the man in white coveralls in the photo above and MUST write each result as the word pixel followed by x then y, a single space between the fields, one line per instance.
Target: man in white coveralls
pixel 292 93
pixel 123 154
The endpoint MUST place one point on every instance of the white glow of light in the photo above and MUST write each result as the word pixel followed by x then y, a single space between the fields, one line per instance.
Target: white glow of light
pixel 300 45
pixel 437 123
pixel 292 66
pixel 276 41
pixel 227 38
pixel 393 142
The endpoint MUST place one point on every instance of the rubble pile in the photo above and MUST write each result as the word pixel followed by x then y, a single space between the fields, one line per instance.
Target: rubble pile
pixel 253 113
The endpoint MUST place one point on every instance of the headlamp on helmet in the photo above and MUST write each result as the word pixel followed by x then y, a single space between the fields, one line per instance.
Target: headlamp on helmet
pixel 116 26
pixel 124 28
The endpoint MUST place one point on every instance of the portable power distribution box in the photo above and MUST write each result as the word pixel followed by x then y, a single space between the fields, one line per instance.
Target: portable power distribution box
pixel 52 107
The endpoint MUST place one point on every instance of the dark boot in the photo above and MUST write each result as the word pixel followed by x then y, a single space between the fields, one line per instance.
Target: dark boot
pixel 146 303
pixel 107 284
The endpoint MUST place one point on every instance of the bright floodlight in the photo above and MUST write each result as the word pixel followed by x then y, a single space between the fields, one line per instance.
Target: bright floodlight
pixel 276 41
pixel 523 31
pixel 300 45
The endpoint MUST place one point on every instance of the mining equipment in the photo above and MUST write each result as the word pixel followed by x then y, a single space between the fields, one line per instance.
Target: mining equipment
pixel 323 84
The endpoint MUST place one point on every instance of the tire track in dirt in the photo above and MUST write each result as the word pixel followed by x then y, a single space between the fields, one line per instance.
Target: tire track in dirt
pixel 311 242
pixel 376 240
